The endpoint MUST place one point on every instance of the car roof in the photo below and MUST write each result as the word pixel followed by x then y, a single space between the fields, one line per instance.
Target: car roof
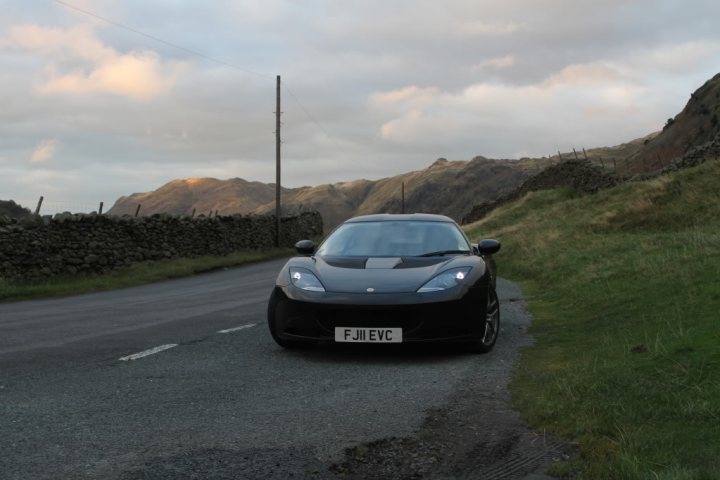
pixel 389 217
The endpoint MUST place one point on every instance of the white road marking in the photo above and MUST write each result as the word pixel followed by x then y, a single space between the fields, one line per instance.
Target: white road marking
pixel 145 353
pixel 241 327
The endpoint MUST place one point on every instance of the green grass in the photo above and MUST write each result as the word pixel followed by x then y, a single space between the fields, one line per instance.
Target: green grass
pixel 137 274
pixel 624 288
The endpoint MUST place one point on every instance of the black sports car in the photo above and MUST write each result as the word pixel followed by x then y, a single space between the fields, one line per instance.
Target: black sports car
pixel 388 279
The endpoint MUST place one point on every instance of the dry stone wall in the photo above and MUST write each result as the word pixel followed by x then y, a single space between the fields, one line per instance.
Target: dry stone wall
pixel 42 247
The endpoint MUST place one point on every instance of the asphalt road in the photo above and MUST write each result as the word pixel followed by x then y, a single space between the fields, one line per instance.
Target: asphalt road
pixel 222 401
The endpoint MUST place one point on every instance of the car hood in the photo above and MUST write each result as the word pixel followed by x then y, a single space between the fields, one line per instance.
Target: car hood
pixel 381 274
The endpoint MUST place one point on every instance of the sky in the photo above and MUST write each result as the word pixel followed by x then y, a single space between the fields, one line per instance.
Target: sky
pixel 91 111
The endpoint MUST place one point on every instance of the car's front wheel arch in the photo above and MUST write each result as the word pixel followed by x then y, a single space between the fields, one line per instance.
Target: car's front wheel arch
pixel 486 336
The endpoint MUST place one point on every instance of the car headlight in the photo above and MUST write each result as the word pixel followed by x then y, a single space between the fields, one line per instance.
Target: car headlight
pixel 305 280
pixel 445 280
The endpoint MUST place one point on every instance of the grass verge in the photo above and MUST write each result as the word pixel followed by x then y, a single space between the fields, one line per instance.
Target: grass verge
pixel 624 288
pixel 137 274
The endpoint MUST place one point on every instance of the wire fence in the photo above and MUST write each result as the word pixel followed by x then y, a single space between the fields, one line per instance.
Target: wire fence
pixel 49 206
pixel 617 165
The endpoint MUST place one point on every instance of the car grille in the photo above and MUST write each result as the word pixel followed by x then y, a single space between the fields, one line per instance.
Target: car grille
pixel 407 320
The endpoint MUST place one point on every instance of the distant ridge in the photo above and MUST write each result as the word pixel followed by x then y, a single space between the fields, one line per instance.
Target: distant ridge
pixel 204 195
pixel 447 187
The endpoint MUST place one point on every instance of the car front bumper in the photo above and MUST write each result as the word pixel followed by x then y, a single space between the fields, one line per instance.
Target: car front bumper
pixel 440 316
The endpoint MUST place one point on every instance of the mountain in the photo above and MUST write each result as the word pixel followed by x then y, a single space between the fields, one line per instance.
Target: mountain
pixel 447 187
pixel 697 124
pixel 204 195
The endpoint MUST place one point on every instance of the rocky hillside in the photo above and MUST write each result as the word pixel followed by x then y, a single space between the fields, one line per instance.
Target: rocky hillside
pixel 697 124
pixel 447 187
pixel 204 195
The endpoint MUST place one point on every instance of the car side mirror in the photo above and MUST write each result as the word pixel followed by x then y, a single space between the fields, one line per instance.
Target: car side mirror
pixel 305 247
pixel 488 246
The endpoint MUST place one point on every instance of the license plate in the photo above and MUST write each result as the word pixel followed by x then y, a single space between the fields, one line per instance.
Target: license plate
pixel 368 335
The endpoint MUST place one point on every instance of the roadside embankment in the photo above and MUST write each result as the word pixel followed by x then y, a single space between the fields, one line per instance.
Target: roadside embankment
pixel 622 285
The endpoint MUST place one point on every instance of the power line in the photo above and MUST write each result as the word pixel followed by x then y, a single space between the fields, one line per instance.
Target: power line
pixel 160 40
pixel 192 52
pixel 307 114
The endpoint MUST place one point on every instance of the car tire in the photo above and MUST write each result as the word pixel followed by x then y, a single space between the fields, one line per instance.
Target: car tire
pixel 485 342
pixel 288 344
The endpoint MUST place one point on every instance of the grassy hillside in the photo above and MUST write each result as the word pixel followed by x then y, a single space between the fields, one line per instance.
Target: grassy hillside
pixel 624 286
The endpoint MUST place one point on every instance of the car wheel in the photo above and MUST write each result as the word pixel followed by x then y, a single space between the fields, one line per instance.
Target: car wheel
pixel 485 342
pixel 272 325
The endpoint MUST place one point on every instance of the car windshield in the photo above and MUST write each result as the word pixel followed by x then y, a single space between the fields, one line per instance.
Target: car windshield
pixel 394 239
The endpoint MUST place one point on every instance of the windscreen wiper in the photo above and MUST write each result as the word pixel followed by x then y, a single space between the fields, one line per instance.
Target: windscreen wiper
pixel 440 253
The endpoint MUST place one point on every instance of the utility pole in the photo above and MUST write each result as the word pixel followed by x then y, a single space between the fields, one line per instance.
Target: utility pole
pixel 277 165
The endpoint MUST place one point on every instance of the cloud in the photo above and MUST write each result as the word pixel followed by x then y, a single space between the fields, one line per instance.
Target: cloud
pixel 44 151
pixel 486 112
pixel 679 58
pixel 480 27
pixel 137 75
pixel 495 63
pixel 74 42
pixel 79 63
pixel 585 74
pixel 410 93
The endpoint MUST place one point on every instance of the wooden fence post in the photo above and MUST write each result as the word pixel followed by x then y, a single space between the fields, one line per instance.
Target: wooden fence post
pixel 137 210
pixel 576 157
pixel 585 153
pixel 100 208
pixel 192 215
pixel 39 205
